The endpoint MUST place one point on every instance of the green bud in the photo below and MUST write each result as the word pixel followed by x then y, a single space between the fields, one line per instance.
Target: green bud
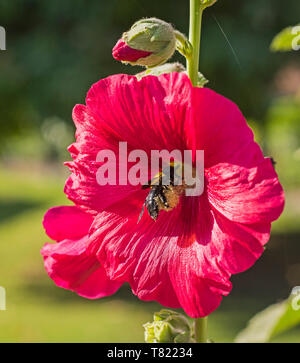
pixel 168 327
pixel 162 69
pixel 202 81
pixel 183 45
pixel 207 3
pixel 154 36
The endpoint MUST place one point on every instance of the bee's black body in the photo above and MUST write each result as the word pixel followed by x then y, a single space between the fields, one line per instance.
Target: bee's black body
pixel 157 199
pixel 155 196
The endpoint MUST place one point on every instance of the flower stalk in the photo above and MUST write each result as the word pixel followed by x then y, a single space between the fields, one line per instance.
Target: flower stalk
pixel 196 11
pixel 200 330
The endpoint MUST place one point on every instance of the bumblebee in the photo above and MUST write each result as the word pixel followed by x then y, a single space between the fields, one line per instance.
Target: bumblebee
pixel 164 192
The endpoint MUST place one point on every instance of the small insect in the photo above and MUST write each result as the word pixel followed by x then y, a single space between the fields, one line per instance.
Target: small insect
pixel 273 161
pixel 164 192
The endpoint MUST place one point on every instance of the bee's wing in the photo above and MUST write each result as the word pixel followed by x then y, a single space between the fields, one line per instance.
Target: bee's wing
pixel 155 181
pixel 142 211
pixel 177 174
pixel 170 173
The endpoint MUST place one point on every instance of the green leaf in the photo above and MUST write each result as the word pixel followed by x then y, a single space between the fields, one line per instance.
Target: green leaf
pixel 162 69
pixel 202 81
pixel 272 321
pixel 288 39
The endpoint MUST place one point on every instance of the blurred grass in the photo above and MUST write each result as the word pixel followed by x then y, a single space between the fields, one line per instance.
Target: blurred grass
pixel 38 311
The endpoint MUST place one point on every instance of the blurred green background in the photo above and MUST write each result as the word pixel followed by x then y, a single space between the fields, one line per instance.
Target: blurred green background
pixel 55 51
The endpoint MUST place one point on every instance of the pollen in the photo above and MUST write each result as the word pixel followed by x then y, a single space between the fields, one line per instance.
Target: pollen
pixel 172 195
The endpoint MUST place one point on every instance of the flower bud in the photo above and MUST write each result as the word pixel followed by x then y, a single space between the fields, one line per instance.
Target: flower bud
pixel 149 42
pixel 207 3
pixel 168 327
pixel 202 81
pixel 124 53
pixel 162 69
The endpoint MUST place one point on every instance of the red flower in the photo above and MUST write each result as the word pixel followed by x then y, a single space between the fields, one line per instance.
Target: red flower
pixel 186 257
pixel 123 52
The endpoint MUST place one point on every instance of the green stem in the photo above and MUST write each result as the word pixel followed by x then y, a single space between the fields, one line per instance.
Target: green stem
pixel 201 330
pixel 196 10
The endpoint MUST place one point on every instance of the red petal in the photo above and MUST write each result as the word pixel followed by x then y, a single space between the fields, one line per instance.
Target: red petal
pixel 118 109
pixel 167 260
pixel 154 109
pixel 123 52
pixel 70 267
pixel 237 246
pixel 218 127
pixel 246 195
pixel 67 222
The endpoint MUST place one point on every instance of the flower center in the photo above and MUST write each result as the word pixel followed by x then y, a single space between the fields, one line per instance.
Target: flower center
pixel 166 189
